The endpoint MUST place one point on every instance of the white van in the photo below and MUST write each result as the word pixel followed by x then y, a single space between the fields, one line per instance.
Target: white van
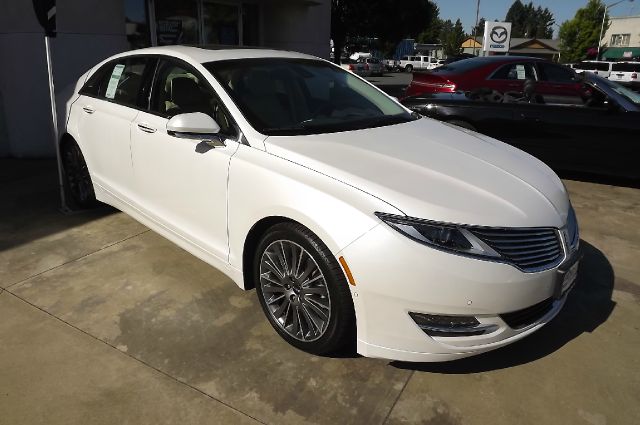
pixel 409 63
pixel 626 73
pixel 601 68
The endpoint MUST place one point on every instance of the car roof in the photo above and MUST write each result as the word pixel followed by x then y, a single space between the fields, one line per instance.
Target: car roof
pixel 203 55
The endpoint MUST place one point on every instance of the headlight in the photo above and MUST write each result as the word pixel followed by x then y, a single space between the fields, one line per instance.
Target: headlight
pixel 573 235
pixel 442 236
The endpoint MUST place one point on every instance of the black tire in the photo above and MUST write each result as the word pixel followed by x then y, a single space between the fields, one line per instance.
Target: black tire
pixel 462 124
pixel 77 180
pixel 340 326
pixel 409 68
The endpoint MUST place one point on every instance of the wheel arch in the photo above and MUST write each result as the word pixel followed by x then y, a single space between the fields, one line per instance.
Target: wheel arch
pixel 251 242
pixel 255 233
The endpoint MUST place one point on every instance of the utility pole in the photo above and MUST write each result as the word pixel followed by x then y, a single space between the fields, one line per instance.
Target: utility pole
pixel 475 28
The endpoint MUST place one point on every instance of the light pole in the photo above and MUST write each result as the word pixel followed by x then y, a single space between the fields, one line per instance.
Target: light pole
pixel 475 28
pixel 604 16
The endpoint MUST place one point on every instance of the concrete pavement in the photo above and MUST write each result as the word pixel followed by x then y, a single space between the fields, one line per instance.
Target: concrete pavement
pixel 103 321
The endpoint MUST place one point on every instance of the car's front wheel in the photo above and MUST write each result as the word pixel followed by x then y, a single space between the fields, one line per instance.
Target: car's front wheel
pixel 302 290
pixel 409 68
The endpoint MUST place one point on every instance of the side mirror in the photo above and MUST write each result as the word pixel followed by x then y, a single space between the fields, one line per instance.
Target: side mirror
pixel 193 124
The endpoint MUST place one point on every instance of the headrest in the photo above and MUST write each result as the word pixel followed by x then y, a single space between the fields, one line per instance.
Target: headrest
pixel 185 91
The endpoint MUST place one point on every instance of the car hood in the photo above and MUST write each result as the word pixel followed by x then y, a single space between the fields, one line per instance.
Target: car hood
pixel 436 171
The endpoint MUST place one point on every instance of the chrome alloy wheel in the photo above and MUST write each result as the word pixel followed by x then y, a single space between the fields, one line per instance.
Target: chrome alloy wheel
pixel 295 290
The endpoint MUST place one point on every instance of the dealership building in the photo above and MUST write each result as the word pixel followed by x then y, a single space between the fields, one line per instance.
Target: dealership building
pixel 91 30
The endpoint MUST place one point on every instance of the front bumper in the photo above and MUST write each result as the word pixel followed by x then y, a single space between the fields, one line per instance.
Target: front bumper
pixel 395 276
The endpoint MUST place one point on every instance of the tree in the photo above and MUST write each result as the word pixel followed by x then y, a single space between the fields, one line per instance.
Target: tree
pixel 345 21
pixel 452 36
pixel 581 33
pixel 479 29
pixel 431 33
pixel 517 16
pixel 529 21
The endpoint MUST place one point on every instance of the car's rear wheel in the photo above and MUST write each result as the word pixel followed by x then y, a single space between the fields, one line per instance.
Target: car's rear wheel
pixel 302 290
pixel 78 183
pixel 409 68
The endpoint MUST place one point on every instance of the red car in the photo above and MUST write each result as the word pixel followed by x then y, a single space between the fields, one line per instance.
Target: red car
pixel 556 83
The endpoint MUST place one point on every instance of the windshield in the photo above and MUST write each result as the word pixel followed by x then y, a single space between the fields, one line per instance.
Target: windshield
pixel 282 96
pixel 629 94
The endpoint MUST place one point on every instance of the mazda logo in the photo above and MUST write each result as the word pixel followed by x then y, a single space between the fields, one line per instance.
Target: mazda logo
pixel 499 34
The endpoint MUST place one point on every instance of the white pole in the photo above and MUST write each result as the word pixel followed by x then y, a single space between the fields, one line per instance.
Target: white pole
pixel 601 28
pixel 54 118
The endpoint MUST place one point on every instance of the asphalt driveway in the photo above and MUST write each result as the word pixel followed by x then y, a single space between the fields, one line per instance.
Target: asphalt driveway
pixel 104 321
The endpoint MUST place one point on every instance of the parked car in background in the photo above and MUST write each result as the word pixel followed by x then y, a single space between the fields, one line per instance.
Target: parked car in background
pixel 598 135
pixel 440 62
pixel 557 83
pixel 359 55
pixel 626 73
pixel 358 68
pixel 409 63
pixel 356 221
pixel 374 65
pixel 391 64
pixel 601 68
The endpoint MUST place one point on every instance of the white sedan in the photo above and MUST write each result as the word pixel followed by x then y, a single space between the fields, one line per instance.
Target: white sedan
pixel 352 217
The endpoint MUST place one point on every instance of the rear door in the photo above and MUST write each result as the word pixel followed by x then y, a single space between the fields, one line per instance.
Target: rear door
pixel 109 104
pixel 557 84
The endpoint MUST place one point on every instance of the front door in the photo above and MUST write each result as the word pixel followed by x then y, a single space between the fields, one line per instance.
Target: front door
pixel 182 182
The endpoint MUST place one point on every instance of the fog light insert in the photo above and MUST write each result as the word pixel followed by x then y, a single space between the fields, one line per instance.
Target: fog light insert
pixel 437 325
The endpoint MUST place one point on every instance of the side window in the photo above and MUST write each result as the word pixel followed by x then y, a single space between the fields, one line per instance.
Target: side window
pixel 123 82
pixel 514 71
pixel 97 80
pixel 556 73
pixel 179 90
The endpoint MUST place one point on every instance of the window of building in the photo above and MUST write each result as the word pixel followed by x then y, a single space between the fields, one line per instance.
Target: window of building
pixel 620 40
pixel 221 23
pixel 250 24
pixel 204 22
pixel 177 22
pixel 137 24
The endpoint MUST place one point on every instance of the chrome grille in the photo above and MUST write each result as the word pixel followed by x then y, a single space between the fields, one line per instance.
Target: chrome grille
pixel 532 249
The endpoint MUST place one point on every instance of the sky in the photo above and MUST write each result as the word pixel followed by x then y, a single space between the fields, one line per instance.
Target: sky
pixel 497 9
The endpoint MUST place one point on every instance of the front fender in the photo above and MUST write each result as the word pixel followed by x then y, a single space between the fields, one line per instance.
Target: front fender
pixel 263 185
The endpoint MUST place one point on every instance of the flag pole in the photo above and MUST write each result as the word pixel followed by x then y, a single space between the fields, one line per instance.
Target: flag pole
pixel 54 120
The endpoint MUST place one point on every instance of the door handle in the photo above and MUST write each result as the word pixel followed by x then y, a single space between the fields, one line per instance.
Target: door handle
pixel 146 128
pixel 88 109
